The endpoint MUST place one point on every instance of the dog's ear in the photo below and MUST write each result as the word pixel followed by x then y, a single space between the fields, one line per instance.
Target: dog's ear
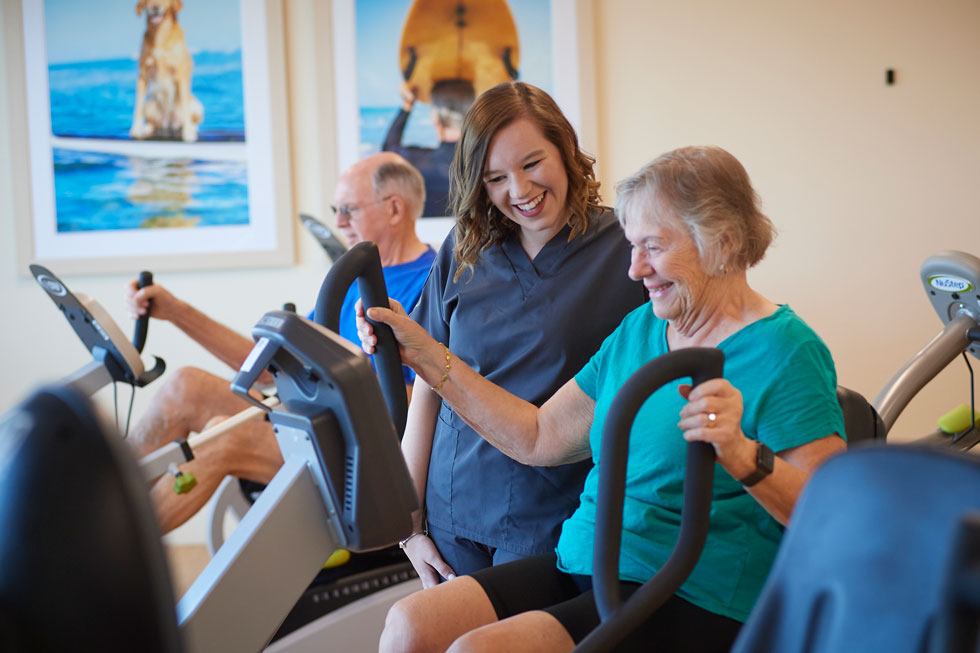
pixel 140 6
pixel 177 5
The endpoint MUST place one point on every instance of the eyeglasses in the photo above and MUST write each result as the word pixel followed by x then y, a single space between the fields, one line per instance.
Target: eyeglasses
pixel 347 210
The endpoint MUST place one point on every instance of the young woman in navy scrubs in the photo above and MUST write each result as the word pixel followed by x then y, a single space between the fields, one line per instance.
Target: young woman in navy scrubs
pixel 524 290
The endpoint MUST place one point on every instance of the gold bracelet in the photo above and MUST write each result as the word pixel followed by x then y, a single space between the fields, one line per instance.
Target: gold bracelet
pixel 445 376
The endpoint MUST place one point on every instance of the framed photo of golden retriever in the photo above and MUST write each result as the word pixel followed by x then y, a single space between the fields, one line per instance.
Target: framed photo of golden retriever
pixel 156 135
pixel 414 66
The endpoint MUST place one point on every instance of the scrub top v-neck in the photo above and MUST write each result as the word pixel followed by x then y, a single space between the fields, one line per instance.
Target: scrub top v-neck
pixel 527 326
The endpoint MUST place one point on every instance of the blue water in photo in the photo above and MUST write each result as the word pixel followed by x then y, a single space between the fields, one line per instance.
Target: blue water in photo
pixel 93 191
pixel 106 191
pixel 95 99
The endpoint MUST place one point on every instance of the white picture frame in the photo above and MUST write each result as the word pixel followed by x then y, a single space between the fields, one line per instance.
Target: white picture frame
pixel 264 239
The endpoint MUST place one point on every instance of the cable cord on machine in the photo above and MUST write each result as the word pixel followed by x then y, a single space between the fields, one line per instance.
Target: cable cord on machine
pixel 115 407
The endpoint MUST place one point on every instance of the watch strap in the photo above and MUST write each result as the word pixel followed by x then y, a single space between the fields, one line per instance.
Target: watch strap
pixel 764 462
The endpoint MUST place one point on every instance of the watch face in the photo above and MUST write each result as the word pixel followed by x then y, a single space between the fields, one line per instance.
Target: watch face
pixel 764 462
pixel 764 459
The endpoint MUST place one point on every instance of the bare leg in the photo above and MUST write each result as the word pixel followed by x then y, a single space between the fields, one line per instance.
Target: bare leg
pixel 432 619
pixel 248 451
pixel 184 404
pixel 528 632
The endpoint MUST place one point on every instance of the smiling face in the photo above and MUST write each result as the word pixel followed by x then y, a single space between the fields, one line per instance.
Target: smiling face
pixel 525 178
pixel 666 259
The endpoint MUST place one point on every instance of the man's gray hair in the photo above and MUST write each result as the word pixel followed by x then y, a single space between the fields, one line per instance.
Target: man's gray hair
pixel 403 178
pixel 451 99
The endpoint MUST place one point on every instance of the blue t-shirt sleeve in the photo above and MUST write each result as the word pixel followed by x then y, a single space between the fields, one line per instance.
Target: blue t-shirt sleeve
pixel 800 403
pixel 588 377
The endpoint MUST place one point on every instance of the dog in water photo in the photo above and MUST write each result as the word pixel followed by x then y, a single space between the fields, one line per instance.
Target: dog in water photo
pixel 165 108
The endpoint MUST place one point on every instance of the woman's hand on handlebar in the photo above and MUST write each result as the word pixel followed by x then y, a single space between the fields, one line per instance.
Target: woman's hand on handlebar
pixel 713 414
pixel 413 341
pixel 429 565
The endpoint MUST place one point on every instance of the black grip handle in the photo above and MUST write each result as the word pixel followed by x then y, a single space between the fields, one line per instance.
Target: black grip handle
pixel 362 263
pixel 143 321
pixel 619 620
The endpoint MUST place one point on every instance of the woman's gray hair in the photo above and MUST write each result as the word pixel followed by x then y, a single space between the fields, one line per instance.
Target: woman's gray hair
pixel 403 178
pixel 710 192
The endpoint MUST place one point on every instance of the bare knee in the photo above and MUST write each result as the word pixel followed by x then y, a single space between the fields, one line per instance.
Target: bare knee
pixel 402 631
pixel 475 641
pixel 178 407
pixel 187 386
pixel 432 619
pixel 190 398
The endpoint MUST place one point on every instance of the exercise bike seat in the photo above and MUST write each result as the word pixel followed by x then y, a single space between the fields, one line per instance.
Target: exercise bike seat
pixel 862 423
pixel 864 563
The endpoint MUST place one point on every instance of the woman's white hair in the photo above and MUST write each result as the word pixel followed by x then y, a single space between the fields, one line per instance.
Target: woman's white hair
pixel 710 192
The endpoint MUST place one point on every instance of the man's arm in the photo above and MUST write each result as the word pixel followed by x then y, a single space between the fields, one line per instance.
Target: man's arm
pixel 228 346
pixel 393 139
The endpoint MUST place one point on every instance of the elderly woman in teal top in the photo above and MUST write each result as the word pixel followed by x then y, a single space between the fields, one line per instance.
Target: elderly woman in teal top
pixel 693 221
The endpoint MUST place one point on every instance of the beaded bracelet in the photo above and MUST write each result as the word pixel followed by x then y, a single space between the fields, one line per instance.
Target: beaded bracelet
pixel 445 376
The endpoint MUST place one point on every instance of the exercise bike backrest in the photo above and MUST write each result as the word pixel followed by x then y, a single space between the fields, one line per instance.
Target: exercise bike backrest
pixel 101 336
pixel 619 619
pixel 362 263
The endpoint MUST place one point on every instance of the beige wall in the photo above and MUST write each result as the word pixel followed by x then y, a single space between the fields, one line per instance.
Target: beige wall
pixel 863 180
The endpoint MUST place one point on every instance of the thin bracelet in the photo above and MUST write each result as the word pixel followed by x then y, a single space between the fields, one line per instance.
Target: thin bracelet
pixel 404 543
pixel 445 377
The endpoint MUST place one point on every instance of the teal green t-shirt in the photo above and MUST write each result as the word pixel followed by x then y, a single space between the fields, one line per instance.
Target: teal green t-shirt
pixel 788 385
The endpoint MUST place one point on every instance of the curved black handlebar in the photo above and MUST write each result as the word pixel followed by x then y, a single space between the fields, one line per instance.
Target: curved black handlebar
pixel 618 620
pixel 363 263
pixel 139 331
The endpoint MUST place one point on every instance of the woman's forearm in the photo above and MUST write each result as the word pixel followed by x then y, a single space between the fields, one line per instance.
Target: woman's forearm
pixel 779 491
pixel 423 413
pixel 555 434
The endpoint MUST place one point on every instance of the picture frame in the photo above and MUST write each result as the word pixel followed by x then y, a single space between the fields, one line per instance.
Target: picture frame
pixel 228 194
pixel 571 82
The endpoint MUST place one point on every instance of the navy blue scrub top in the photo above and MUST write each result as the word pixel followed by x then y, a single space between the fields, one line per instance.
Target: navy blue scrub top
pixel 528 327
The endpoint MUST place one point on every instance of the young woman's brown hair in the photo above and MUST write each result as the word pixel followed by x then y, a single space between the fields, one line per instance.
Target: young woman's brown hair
pixel 479 224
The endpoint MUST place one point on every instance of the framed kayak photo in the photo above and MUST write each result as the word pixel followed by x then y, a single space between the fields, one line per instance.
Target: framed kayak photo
pixel 402 66
pixel 153 138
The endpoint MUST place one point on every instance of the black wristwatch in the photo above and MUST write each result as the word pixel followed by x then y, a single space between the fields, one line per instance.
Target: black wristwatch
pixel 764 460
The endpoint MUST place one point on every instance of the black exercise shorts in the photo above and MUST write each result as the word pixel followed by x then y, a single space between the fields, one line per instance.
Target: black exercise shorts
pixel 537 584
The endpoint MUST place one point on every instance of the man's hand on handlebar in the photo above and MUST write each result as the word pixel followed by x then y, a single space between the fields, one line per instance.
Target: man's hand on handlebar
pixel 137 300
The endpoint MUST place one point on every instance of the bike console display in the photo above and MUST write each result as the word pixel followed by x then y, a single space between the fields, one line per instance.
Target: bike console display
pixel 331 398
